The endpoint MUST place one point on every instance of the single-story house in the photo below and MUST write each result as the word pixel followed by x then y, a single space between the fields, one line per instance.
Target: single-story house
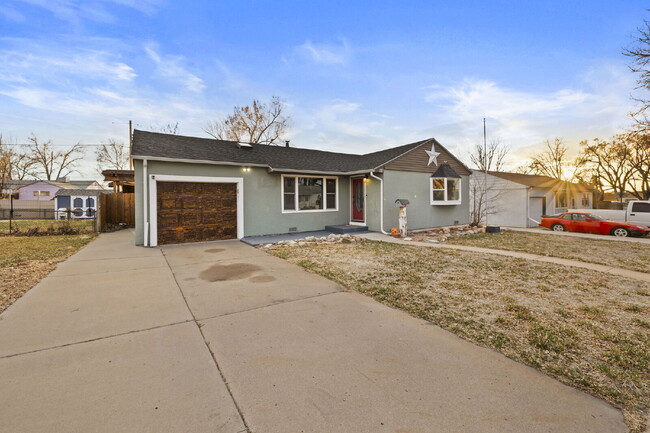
pixel 520 200
pixel 77 203
pixel 191 189
pixel 46 189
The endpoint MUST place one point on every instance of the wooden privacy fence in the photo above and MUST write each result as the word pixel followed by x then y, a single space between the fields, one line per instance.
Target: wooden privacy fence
pixel 115 209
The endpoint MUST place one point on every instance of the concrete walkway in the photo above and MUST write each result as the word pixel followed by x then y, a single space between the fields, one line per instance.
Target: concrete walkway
pixel 644 240
pixel 221 337
pixel 635 275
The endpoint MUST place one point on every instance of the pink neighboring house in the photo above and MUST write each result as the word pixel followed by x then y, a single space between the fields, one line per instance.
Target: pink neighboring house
pixel 45 190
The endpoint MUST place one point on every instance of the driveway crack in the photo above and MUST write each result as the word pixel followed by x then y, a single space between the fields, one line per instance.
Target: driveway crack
pixel 214 358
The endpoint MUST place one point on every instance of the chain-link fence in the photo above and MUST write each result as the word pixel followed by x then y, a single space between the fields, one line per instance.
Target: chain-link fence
pixel 33 222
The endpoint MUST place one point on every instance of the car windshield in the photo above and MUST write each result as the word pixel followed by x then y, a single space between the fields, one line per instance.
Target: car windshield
pixel 596 217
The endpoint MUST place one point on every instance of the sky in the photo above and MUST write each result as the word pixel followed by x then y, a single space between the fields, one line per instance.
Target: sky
pixel 355 76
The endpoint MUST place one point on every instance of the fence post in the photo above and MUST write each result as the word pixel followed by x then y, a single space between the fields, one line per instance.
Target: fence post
pixel 11 211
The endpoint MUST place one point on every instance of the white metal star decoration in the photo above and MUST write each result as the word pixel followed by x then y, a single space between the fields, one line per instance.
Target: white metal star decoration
pixel 433 155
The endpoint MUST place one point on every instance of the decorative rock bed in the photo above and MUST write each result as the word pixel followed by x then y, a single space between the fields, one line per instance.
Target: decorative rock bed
pixel 310 240
pixel 441 234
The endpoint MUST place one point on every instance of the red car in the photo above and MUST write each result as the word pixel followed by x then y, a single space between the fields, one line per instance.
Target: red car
pixel 590 223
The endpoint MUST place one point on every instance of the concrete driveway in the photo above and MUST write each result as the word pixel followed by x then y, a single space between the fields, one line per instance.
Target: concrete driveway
pixel 220 337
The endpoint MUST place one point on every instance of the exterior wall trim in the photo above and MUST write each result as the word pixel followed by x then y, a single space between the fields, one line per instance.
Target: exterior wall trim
pixel 153 199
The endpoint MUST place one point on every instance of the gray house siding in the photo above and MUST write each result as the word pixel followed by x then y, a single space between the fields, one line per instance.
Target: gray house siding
pixel 415 187
pixel 262 198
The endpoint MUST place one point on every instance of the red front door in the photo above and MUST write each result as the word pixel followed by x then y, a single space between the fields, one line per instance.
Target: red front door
pixel 358 200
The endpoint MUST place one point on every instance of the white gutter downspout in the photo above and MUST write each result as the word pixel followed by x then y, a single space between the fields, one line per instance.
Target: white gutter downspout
pixel 381 202
pixel 145 198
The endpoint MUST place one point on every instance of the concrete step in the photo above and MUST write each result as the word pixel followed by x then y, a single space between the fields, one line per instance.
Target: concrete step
pixel 347 228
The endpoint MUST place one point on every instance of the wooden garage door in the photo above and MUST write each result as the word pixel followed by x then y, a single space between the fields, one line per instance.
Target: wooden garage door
pixel 195 212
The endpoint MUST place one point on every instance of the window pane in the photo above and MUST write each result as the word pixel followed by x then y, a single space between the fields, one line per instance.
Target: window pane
pixel 78 202
pixel 567 216
pixel 289 184
pixel 439 195
pixel 641 207
pixel 453 189
pixel 289 201
pixel 331 201
pixel 331 186
pixel 438 184
pixel 310 193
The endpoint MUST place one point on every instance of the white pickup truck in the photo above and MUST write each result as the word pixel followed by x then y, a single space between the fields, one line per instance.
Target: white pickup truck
pixel 637 211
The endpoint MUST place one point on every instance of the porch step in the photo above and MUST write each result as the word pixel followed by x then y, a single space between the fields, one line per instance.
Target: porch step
pixel 347 228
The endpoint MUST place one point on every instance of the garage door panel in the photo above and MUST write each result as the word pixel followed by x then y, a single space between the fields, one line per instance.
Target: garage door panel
pixel 195 212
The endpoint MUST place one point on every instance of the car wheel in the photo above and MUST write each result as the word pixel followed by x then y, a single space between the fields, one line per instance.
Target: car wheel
pixel 558 228
pixel 621 232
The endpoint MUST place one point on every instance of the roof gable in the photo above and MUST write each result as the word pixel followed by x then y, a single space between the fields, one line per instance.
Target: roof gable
pixel 417 159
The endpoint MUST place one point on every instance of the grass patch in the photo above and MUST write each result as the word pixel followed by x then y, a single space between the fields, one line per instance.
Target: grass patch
pixel 24 261
pixel 575 329
pixel 627 255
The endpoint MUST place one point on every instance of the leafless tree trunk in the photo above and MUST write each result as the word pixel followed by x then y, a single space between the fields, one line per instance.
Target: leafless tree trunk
pixel 639 184
pixel 256 123
pixel 6 157
pixel 50 162
pixel 482 195
pixel 484 198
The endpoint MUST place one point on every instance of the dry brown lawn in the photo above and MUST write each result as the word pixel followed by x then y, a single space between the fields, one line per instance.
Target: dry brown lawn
pixel 24 261
pixel 587 329
pixel 622 254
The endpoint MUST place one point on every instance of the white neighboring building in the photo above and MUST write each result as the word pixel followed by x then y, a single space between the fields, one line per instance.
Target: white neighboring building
pixel 77 203
pixel 520 200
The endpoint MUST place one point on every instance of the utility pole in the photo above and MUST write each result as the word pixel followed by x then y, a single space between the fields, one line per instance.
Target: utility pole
pixel 130 144
pixel 485 169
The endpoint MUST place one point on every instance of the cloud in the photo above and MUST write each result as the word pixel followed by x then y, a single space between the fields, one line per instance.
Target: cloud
pixel 596 106
pixel 76 11
pixel 10 13
pixel 171 67
pixel 45 63
pixel 326 54
pixel 341 125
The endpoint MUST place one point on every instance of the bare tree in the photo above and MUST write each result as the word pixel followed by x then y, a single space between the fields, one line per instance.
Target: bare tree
pixel 6 158
pixel 483 196
pixel 552 161
pixel 22 166
pixel 639 185
pixel 112 155
pixel 609 162
pixel 640 54
pixel 496 156
pixel 53 163
pixel 256 123
pixel 169 128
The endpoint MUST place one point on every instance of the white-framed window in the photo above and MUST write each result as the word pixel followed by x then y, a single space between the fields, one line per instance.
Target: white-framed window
pixel 585 199
pixel 445 190
pixel 303 193
pixel 41 193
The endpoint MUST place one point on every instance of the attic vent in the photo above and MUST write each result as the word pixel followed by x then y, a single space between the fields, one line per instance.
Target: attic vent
pixel 293 229
pixel 240 145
